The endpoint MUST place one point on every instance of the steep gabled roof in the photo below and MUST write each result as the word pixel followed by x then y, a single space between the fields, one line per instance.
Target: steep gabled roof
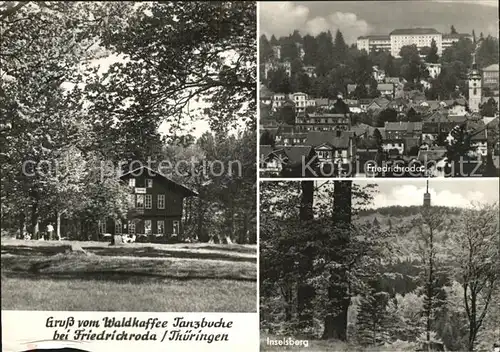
pixel 297 153
pixel 316 138
pixel 437 116
pixel 381 102
pixel 431 154
pixel 187 191
pixel 265 150
pixel 265 92
pixel 292 154
pixel 477 130
pixel 493 123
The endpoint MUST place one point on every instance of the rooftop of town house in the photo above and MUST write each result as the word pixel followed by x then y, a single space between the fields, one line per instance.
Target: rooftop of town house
pixel 292 154
pixel 337 139
pixel 431 154
pixel 491 68
pixel 403 126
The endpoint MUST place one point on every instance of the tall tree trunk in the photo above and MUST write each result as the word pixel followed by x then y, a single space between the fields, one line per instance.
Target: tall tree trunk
pixel 306 292
pixel 231 219
pixel 58 225
pixel 22 225
pixel 202 237
pixel 244 231
pixel 78 227
pixel 307 200
pixel 430 292
pixel 190 218
pixel 35 220
pixel 335 323
pixel 473 326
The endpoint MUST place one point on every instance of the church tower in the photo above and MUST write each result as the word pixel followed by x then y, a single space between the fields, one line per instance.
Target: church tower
pixel 427 197
pixel 474 86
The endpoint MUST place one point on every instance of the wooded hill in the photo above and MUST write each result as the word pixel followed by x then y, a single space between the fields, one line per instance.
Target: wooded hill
pixel 422 278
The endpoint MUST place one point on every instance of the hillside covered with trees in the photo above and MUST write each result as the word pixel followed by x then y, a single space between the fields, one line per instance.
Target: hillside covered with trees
pixel 338 64
pixel 393 279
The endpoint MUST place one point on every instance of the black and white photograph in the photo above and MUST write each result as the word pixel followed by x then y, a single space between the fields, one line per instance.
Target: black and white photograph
pixel 379 265
pixel 378 88
pixel 128 156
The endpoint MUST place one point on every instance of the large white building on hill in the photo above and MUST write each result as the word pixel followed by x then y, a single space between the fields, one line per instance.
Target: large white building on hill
pixel 421 37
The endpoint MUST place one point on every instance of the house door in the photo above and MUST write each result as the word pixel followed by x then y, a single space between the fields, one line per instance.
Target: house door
pixel 131 227
pixel 118 227
pixel 175 227
pixel 147 227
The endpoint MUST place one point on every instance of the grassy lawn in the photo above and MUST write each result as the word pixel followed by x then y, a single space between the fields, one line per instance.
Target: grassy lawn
pixel 181 250
pixel 95 295
pixel 243 248
pixel 135 277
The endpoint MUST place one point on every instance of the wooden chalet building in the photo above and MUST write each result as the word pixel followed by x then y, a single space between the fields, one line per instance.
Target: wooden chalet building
pixel 155 207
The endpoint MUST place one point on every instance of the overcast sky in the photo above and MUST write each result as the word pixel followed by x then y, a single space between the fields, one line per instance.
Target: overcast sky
pixel 448 192
pixel 356 18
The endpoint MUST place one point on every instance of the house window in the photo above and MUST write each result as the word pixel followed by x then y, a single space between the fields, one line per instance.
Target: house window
pixel 323 154
pixel 161 201
pixel 175 227
pixel 160 227
pixel 148 201
pixel 149 183
pixel 139 201
pixel 131 200
pixel 118 227
pixel 131 182
pixel 131 227
pixel 147 227
pixel 102 226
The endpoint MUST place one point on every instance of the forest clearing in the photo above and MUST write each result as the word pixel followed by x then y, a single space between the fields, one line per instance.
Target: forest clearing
pixel 48 275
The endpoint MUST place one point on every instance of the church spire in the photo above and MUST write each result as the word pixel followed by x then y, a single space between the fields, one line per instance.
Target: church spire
pixel 475 82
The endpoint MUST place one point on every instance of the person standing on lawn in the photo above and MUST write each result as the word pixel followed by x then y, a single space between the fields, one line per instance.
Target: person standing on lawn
pixel 50 231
